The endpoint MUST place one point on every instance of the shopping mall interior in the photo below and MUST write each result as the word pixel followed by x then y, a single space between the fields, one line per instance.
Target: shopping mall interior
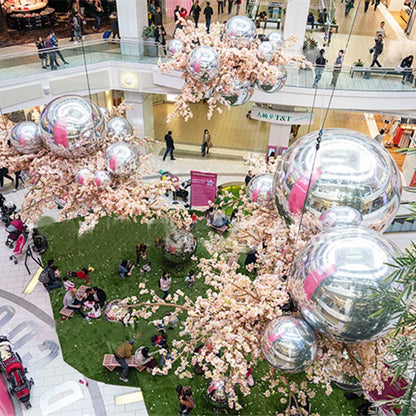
pixel 112 55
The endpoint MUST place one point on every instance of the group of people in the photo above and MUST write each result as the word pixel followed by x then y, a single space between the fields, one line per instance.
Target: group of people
pixel 126 267
pixel 48 51
pixel 88 305
pixel 180 14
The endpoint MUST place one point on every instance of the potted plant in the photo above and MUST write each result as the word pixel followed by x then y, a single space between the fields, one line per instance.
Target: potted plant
pixel 310 48
pixel 358 63
pixel 149 35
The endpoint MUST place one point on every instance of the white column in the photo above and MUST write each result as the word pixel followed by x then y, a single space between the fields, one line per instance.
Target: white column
pixel 279 135
pixel 295 22
pixel 132 18
pixel 141 113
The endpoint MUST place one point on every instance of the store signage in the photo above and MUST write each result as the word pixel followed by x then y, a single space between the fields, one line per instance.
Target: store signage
pixel 203 188
pixel 280 117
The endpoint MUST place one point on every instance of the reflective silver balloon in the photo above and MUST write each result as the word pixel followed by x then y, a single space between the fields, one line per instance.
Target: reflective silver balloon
pixel 347 383
pixel 102 178
pixel 178 247
pixel 122 159
pixel 105 112
pixel 217 395
pixel 238 93
pixel 289 344
pixel 340 279
pixel 350 170
pixel 277 39
pixel 260 189
pixel 270 87
pixel 175 46
pixel 339 216
pixel 119 127
pixel 266 51
pixel 203 64
pixel 25 137
pixel 240 31
pixel 82 176
pixel 71 126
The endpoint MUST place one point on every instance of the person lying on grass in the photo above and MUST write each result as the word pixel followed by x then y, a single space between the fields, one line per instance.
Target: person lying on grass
pixel 125 268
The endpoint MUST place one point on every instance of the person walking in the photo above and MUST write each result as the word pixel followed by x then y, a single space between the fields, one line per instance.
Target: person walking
pixel 366 4
pixel 206 143
pixel 349 4
pixel 97 10
pixel 76 24
pixel 164 284
pixel 380 30
pixel 376 3
pixel 40 44
pixel 406 64
pixel 114 25
pixel 161 38
pixel 4 173
pixel 195 12
pixel 208 12
pixel 238 5
pixel 55 42
pixel 158 18
pixel 320 63
pixel 337 68
pixel 220 6
pixel 377 50
pixel 230 6
pixel 17 178
pixel 51 52
pixel 170 147
pixel 120 354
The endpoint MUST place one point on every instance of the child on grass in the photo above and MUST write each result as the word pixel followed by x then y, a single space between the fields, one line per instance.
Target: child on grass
pixel 190 279
pixel 68 284
pixel 95 312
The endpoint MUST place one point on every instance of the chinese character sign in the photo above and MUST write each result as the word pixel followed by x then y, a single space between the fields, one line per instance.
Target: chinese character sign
pixel 203 188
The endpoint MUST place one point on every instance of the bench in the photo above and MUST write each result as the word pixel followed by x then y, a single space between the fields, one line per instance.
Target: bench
pixel 111 363
pixel 322 26
pixel 367 71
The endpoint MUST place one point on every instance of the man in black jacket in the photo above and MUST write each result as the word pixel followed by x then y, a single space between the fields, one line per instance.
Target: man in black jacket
pixel 169 146
pixel 377 50
pixel 320 63
pixel 208 12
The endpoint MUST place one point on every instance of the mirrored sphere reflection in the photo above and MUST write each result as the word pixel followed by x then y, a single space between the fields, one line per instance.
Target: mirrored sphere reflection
pixel 240 31
pixel 203 64
pixel 25 137
pixel 270 87
pixel 339 216
pixel 82 176
pixel 178 247
pixel 102 178
pixel 260 189
pixel 289 344
pixel 276 38
pixel 351 170
pixel 175 46
pixel 119 127
pixel 340 279
pixel 71 126
pixel 238 94
pixel 122 159
pixel 266 51
pixel 217 395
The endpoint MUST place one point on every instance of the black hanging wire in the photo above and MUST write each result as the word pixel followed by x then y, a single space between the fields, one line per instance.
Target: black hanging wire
pixel 319 137
pixel 85 67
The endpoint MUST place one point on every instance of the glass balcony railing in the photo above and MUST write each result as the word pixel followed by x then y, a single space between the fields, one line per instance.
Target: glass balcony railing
pixel 28 64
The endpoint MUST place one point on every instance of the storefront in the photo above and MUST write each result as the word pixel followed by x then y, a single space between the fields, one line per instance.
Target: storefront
pixel 405 14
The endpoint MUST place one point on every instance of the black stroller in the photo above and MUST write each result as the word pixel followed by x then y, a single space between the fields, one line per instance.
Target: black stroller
pixel 180 190
pixel 7 210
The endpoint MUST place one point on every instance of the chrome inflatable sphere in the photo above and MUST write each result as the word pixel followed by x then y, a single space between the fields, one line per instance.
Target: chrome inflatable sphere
pixel 82 176
pixel 340 279
pixel 102 178
pixel 260 189
pixel 277 39
pixel 340 216
pixel 71 126
pixel 119 127
pixel 350 170
pixel 269 87
pixel 238 93
pixel 217 395
pixel 178 247
pixel 289 344
pixel 175 46
pixel 203 64
pixel 266 51
pixel 105 112
pixel 122 159
pixel 25 137
pixel 240 31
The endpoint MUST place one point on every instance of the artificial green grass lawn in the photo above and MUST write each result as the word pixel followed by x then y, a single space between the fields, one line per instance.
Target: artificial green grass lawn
pixel 84 345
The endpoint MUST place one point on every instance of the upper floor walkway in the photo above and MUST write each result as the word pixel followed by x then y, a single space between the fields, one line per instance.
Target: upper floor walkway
pixel 133 66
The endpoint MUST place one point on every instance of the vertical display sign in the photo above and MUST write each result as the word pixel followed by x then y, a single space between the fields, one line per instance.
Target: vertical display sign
pixel 203 188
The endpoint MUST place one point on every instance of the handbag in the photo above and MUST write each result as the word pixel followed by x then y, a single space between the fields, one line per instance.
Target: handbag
pixel 371 50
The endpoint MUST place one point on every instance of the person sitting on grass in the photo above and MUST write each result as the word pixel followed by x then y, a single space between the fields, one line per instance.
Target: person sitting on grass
pixel 160 341
pixel 53 274
pixel 219 220
pixel 125 268
pixel 97 295
pixel 144 359
pixel 68 284
pixel 74 302
pixel 82 274
pixel 190 278
pixel 95 311
pixel 40 243
pixel 141 253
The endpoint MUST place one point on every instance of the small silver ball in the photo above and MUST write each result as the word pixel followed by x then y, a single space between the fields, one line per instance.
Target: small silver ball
pixel 240 31
pixel 266 51
pixel 203 64
pixel 82 176
pixel 102 178
pixel 260 189
pixel 277 39
pixel 122 159
pixel 238 93
pixel 119 127
pixel 25 137
pixel 175 46
pixel 269 87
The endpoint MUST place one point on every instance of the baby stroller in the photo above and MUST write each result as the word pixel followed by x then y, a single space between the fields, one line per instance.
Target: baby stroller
pixel 19 248
pixel 7 210
pixel 15 229
pixel 11 364
pixel 181 192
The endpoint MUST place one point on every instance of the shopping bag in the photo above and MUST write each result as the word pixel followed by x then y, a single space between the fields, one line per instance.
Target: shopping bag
pixel 107 34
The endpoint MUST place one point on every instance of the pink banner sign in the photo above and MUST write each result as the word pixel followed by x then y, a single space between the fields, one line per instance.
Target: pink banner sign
pixel 315 277
pixel 203 188
pixel 171 6
pixel 300 190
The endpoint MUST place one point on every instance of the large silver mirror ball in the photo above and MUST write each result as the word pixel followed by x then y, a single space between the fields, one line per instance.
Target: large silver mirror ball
pixel 350 170
pixel 240 31
pixel 122 159
pixel 25 137
pixel 238 93
pixel 203 64
pixel 119 127
pixel 289 344
pixel 179 246
pixel 217 395
pixel 270 87
pixel 71 126
pixel 260 189
pixel 340 216
pixel 340 279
